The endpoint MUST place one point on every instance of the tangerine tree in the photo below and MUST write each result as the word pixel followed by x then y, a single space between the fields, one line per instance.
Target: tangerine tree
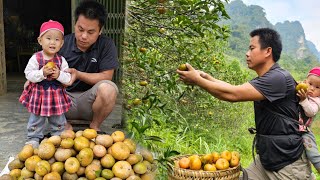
pixel 161 112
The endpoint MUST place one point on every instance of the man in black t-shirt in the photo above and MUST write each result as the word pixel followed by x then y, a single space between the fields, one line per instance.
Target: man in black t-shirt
pixel 92 58
pixel 279 143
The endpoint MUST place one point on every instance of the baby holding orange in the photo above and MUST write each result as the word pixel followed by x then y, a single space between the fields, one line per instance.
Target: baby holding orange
pixel 310 102
pixel 45 96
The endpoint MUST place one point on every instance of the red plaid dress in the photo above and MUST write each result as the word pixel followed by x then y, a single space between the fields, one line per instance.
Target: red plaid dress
pixel 48 97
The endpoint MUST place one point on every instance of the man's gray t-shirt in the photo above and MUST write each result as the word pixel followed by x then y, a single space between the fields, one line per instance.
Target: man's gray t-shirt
pixel 278 141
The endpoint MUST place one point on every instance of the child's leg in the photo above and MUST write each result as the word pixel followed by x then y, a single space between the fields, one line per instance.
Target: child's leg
pixel 312 151
pixel 56 124
pixel 35 128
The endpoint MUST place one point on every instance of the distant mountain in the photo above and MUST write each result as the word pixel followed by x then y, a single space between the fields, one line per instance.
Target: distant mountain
pixel 313 48
pixel 244 19
pixel 294 39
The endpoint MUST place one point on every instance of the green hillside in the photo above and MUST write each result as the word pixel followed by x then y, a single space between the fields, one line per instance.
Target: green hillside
pixel 298 55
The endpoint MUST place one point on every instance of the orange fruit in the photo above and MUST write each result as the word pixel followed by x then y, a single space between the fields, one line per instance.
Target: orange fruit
pixel 26 174
pixel 131 144
pixel 55 140
pixel 136 101
pixel 143 50
pixel 99 150
pixel 50 64
pixel 107 174
pixel 147 155
pixel 207 158
pixel 72 165
pixel 234 161
pixel 85 156
pixel 26 152
pixel 81 171
pixel 43 167
pixel 62 154
pixel 52 176
pixel 122 169
pixel 68 134
pixel 226 155
pixel 162 10
pixel 67 143
pixel 91 170
pixel 235 153
pixel 104 139
pixel 31 162
pixel 57 167
pixel 192 157
pixel 81 143
pixel 162 30
pixel 222 164
pixel 184 163
pixel 89 133
pixel 46 150
pixel 143 83
pixel 215 156
pixel 134 159
pixel 118 136
pixel 183 67
pixel 195 164
pixel 140 168
pixel 303 86
pixel 209 167
pixel 120 151
pixel 107 161
pixel 15 173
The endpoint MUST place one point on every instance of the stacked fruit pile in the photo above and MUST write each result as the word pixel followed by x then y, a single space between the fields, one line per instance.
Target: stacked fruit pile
pixel 83 155
pixel 210 162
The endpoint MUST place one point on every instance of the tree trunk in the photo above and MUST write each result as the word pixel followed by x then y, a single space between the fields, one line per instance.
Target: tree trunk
pixel 3 78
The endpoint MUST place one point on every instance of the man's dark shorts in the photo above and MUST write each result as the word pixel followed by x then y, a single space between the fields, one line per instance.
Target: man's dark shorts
pixel 81 108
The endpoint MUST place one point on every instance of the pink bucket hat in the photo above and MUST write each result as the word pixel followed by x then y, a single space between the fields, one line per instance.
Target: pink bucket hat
pixel 314 71
pixel 46 26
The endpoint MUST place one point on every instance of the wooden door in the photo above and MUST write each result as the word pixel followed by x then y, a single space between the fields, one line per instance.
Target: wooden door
pixel 3 78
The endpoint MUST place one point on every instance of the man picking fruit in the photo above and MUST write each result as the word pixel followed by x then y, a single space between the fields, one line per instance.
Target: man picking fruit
pixel 310 102
pixel 278 142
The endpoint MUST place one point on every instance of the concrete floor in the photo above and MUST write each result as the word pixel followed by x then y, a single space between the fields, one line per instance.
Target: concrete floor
pixel 14 119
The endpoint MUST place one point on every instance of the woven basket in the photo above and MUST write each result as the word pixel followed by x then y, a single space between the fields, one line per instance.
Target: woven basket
pixel 175 173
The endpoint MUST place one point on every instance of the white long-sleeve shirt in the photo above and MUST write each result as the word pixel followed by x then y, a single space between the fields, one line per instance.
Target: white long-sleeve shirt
pixel 34 74
pixel 311 106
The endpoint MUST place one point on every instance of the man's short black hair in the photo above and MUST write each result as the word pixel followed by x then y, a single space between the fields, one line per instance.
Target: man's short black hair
pixel 92 10
pixel 269 38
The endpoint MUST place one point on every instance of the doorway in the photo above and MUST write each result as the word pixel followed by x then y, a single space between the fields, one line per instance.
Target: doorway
pixel 22 21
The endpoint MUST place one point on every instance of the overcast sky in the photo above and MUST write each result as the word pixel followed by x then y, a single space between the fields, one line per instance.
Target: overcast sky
pixel 307 12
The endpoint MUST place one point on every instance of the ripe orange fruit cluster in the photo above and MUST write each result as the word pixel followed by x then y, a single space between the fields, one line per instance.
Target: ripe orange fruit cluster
pixel 84 154
pixel 210 162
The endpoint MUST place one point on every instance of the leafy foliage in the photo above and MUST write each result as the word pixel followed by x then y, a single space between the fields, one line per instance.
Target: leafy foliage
pixel 165 115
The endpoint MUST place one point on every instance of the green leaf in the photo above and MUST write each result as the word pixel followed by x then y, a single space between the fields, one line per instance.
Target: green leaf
pixel 154 138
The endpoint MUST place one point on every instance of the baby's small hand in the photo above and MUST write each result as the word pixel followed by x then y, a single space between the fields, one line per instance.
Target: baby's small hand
pixel 302 95
pixel 47 71
pixel 56 73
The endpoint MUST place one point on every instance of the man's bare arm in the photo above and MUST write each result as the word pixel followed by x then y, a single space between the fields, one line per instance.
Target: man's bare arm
pixel 90 78
pixel 220 89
